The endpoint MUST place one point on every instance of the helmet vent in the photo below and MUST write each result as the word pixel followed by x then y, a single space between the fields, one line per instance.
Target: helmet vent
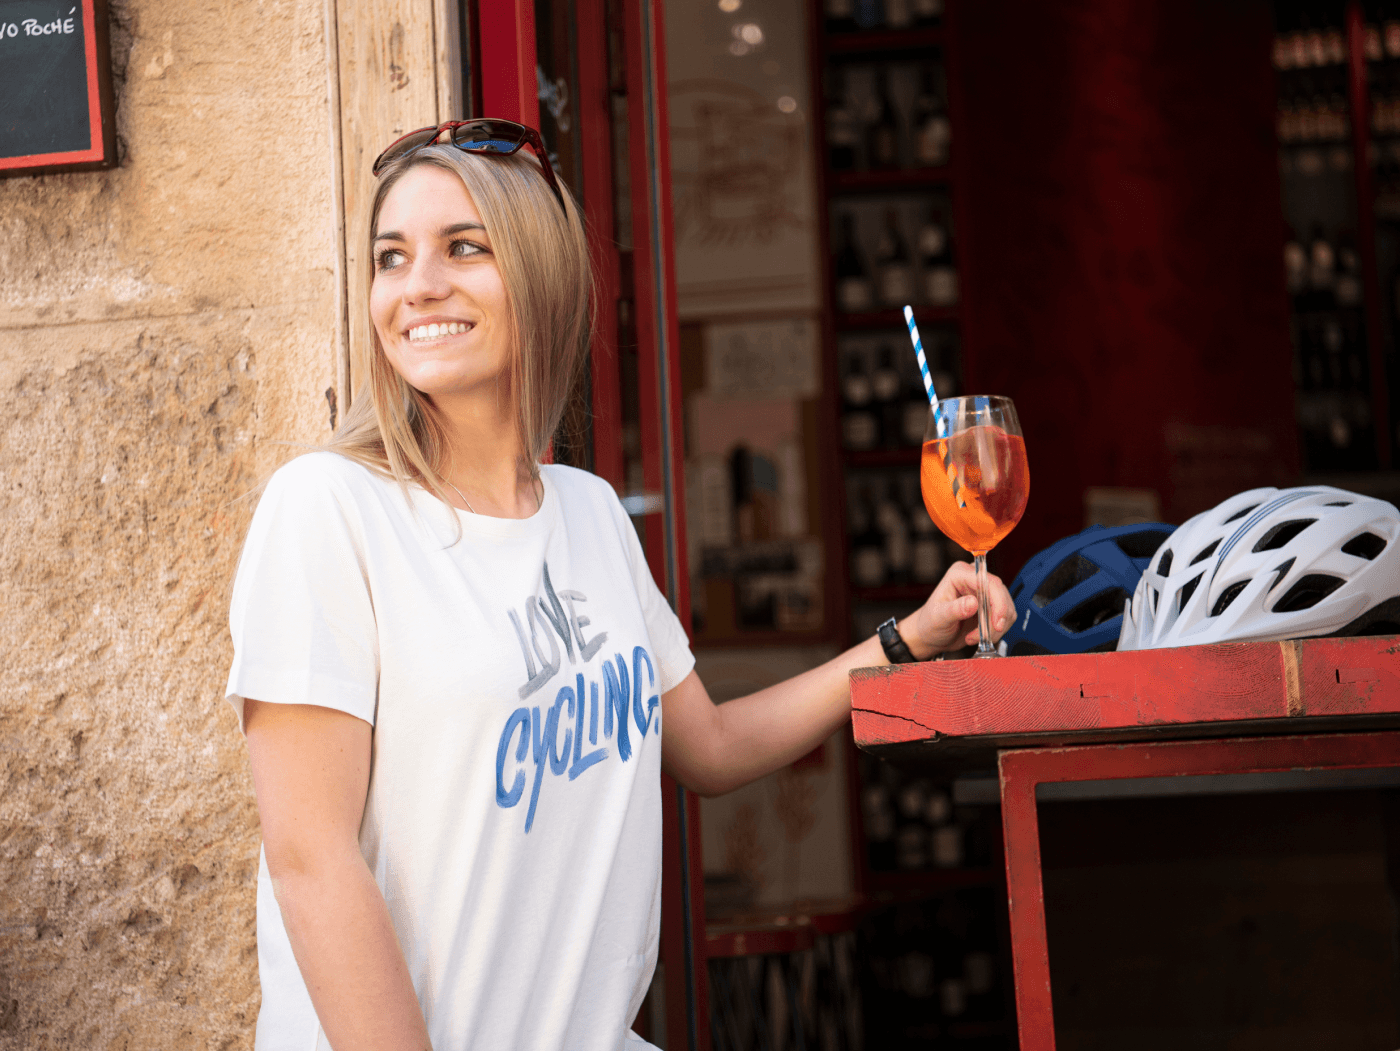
pixel 1070 573
pixel 1364 545
pixel 1239 514
pixel 1281 572
pixel 1206 553
pixel 1142 545
pixel 1094 611
pixel 1282 534
pixel 1184 595
pixel 1164 566
pixel 1338 503
pixel 1308 592
pixel 1227 596
pixel 1156 598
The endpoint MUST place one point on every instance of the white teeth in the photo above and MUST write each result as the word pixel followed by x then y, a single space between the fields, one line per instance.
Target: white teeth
pixel 447 328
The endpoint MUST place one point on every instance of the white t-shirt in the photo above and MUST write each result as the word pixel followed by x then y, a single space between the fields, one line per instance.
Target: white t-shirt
pixel 513 680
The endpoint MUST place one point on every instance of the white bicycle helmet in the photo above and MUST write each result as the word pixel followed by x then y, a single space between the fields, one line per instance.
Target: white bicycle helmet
pixel 1272 564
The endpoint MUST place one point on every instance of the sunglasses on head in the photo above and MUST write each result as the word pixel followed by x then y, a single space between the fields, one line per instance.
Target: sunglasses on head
pixel 493 138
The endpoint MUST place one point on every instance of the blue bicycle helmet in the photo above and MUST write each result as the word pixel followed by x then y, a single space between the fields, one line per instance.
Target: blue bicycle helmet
pixel 1069 598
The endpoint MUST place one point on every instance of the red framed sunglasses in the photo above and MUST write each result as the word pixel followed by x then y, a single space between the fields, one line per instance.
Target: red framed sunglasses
pixel 494 138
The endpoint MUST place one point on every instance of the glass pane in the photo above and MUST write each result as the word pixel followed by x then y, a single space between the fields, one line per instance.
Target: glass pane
pixel 749 289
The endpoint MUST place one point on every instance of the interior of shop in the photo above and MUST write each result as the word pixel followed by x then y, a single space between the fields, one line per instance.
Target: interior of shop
pixel 1171 234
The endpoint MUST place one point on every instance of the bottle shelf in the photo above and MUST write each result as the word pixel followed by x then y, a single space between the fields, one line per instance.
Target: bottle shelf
pixel 895 319
pixel 902 885
pixel 893 179
pixel 893 593
pixel 884 41
pixel 904 457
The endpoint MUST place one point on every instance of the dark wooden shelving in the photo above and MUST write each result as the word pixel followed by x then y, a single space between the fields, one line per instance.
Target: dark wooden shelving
pixel 892 593
pixel 895 319
pixel 893 179
pixel 905 457
pixel 884 41
pixel 929 882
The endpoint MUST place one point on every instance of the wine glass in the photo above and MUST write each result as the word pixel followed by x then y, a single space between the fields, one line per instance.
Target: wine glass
pixel 975 481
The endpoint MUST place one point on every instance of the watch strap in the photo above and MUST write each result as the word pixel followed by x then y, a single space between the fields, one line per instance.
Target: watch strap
pixel 896 649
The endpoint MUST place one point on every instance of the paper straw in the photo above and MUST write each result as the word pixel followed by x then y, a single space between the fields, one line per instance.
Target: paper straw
pixel 919 353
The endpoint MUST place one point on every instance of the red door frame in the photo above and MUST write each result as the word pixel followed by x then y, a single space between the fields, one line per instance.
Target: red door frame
pixel 1022 770
pixel 504 60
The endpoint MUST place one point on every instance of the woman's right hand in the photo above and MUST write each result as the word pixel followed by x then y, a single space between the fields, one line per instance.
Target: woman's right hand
pixel 311 774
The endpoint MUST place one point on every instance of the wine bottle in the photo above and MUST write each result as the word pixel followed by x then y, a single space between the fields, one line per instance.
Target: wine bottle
pixel 1297 41
pixel 928 12
pixel 890 518
pixel 842 132
pixel 854 290
pixel 1322 269
pixel 1314 42
pixel 926 549
pixel 894 269
pixel 1283 28
pixel 913 418
pixel 883 149
pixel 1347 284
pixel 868 550
pixel 859 428
pixel 884 388
pixel 1295 265
pixel 936 258
pixel 840 16
pixel 932 128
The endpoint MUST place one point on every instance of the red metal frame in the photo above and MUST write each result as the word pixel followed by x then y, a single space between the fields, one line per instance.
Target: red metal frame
pixel 505 57
pixel 101 135
pixel 1366 225
pixel 658 340
pixel 597 167
pixel 1023 770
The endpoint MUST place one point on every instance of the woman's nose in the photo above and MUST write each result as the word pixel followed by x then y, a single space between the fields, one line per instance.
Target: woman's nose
pixel 427 280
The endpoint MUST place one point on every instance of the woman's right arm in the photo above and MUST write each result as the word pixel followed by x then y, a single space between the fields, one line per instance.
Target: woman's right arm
pixel 311 774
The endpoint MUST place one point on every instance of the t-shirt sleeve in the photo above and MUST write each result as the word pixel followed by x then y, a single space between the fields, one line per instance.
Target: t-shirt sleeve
pixel 302 618
pixel 663 626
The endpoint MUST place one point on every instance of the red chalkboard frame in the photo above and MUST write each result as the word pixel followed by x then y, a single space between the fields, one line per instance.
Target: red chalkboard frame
pixel 102 147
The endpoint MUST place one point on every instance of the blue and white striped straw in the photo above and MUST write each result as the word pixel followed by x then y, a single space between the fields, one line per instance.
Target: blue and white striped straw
pixel 919 353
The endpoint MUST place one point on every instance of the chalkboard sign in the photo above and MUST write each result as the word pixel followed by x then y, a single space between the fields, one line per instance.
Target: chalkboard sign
pixel 55 87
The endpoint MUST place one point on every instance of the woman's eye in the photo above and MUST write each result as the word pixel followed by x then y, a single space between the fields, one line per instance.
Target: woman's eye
pixel 388 259
pixel 464 249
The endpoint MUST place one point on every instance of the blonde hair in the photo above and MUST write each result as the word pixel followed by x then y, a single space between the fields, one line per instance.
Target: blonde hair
pixel 542 254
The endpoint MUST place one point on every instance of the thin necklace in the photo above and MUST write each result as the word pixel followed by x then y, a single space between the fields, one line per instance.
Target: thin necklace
pixel 459 493
pixel 538 502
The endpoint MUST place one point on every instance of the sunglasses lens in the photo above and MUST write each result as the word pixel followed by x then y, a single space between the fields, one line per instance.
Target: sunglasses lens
pixel 489 136
pixel 407 144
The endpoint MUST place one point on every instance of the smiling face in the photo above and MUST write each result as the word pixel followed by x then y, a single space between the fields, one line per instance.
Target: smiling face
pixel 438 302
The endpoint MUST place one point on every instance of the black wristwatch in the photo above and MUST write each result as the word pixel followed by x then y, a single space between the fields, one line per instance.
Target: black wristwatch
pixel 896 649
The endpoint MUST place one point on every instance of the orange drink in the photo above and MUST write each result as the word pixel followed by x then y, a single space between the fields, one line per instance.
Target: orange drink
pixel 975 485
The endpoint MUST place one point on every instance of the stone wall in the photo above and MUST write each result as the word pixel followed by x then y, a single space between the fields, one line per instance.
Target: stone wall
pixel 162 325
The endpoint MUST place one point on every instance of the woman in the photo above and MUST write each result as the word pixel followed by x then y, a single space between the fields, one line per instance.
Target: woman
pixel 458 682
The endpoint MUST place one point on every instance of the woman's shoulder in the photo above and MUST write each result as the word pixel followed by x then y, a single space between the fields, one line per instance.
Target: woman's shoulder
pixel 317 477
pixel 573 484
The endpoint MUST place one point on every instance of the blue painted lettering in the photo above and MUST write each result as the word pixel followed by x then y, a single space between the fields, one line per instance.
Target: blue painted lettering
pixel 520 717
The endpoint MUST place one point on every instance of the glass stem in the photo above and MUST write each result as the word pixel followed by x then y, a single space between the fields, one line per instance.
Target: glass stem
pixel 984 609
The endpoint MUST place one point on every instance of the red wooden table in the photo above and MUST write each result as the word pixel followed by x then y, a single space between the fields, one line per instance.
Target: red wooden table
pixel 1303 705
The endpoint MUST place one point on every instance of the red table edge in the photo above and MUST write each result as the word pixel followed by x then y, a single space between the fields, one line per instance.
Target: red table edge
pixel 1022 770
pixel 1163 690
